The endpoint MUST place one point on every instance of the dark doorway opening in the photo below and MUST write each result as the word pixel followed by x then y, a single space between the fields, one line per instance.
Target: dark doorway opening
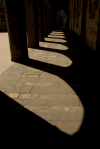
pixel 61 19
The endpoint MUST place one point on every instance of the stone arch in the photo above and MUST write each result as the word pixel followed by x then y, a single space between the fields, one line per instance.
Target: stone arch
pixel 61 17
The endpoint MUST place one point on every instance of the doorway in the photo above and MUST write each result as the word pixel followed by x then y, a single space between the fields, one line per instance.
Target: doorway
pixel 61 19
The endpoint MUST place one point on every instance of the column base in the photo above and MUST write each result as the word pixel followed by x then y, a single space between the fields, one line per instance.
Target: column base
pixel 20 60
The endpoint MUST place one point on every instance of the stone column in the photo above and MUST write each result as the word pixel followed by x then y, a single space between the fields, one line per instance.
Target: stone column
pixel 47 7
pixel 40 20
pixel 45 23
pixel 15 14
pixel 32 23
pixel 98 35
pixel 50 19
pixel 46 19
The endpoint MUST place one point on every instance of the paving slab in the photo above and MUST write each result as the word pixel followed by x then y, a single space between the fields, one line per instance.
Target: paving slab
pixel 26 89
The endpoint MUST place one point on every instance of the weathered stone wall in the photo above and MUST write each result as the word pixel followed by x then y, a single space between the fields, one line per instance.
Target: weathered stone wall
pixel 92 18
pixel 70 14
pixel 91 25
pixel 75 20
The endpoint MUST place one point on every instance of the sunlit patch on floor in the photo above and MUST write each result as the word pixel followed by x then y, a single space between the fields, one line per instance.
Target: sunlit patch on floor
pixel 53 46
pixel 54 36
pixel 57 34
pixel 55 40
pixel 43 93
pixel 50 57
pixel 53 100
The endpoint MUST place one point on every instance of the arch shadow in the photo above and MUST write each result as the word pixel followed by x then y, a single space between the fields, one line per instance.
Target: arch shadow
pixel 30 130
pixel 82 78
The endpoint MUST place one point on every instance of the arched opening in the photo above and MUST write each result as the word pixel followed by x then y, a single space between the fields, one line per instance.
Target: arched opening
pixel 61 19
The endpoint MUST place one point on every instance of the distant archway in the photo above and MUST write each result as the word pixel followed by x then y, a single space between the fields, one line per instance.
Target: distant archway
pixel 61 19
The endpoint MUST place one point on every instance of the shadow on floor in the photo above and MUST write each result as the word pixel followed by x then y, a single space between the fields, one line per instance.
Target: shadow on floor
pixel 23 128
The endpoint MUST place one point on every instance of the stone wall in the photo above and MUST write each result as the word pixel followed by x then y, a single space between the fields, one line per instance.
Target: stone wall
pixel 92 18
pixel 91 25
pixel 70 14
pixel 75 16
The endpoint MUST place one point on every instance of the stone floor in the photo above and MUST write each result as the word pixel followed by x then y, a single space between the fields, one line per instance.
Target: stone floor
pixel 49 99
pixel 5 58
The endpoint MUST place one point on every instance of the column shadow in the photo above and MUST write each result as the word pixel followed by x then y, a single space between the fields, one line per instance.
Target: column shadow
pixel 82 72
pixel 58 42
pixel 55 37
pixel 22 127
pixel 81 76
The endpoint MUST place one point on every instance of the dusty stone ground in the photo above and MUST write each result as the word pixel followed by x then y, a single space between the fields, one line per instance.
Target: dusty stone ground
pixel 50 97
pixel 5 59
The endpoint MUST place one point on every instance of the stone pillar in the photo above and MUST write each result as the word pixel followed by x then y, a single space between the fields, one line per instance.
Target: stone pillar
pixel 50 19
pixel 50 22
pixel 40 20
pixel 53 20
pixel 98 35
pixel 45 19
pixel 15 14
pixel 32 23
